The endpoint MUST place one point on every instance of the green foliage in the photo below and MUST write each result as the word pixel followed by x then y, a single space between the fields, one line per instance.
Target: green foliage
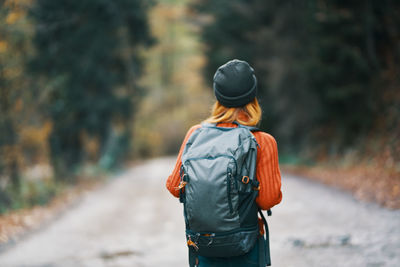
pixel 87 51
pixel 37 193
pixel 30 193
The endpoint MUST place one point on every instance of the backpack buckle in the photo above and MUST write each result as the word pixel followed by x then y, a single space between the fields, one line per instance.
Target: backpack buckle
pixel 181 185
pixel 245 179
pixel 190 243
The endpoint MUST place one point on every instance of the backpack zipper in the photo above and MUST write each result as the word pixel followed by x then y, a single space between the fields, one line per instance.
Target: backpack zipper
pixel 228 184
pixel 218 234
pixel 212 157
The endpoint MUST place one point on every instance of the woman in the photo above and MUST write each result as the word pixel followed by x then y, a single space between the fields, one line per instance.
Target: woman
pixel 235 87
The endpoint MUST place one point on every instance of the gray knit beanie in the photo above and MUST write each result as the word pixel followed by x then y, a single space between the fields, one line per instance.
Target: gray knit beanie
pixel 235 84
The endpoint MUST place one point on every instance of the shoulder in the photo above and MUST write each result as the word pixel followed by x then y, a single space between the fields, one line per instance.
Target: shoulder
pixel 191 130
pixel 265 139
pixel 264 136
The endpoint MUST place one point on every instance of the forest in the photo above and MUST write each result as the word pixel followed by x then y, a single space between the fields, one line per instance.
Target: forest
pixel 89 86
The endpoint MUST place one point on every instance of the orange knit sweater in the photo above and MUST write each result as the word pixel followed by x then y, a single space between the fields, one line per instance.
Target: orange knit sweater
pixel 268 173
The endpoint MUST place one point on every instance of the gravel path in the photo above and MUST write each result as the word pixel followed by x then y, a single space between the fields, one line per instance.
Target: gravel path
pixel 133 221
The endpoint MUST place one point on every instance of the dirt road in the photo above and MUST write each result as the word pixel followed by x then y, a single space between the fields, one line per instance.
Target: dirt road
pixel 133 221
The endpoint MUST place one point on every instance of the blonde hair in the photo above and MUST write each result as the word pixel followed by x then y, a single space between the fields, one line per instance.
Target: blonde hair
pixel 249 115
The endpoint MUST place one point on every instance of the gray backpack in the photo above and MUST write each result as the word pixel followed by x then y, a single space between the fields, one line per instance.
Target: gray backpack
pixel 218 188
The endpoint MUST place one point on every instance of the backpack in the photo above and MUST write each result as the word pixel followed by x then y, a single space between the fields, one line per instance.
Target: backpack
pixel 218 188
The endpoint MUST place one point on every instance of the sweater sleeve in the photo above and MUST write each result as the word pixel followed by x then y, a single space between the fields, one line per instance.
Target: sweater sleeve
pixel 268 173
pixel 174 179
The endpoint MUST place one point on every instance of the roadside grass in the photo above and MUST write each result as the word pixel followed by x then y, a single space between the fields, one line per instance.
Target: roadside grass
pixel 39 192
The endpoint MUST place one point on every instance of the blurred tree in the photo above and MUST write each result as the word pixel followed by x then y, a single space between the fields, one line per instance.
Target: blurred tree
pixel 15 34
pixel 176 98
pixel 87 60
pixel 351 44
pixel 339 72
